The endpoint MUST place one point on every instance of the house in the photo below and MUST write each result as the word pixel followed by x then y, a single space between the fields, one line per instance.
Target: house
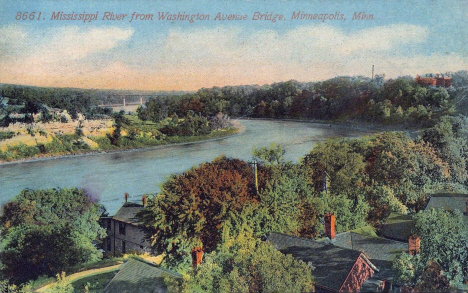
pixel 336 269
pixel 380 251
pixel 139 276
pixel 434 79
pixel 124 231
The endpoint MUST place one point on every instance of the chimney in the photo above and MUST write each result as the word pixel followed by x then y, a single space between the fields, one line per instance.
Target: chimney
pixel 126 197
pixel 197 255
pixel 466 207
pixel 414 244
pixel 143 200
pixel 330 225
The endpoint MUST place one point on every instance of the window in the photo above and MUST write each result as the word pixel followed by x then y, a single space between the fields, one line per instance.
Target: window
pixel 109 244
pixel 122 228
pixel 124 248
pixel 109 224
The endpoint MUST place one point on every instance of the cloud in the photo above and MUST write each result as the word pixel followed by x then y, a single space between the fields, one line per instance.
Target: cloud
pixel 224 55
pixel 76 43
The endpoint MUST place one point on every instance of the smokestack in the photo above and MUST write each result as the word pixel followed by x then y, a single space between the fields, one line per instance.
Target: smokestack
pixel 197 255
pixel 143 200
pixel 126 197
pixel 330 225
pixel 414 245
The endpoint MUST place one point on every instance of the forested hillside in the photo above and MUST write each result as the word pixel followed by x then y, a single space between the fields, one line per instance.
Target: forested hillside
pixel 391 101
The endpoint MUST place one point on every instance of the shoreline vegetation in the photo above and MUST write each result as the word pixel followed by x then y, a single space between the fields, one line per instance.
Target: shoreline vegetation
pixel 234 129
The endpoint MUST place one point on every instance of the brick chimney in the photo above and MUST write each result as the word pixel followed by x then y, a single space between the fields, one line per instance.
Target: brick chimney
pixel 126 197
pixel 330 225
pixel 414 244
pixel 144 200
pixel 197 255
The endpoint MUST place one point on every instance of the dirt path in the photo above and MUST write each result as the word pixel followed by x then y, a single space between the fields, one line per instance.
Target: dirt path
pixel 80 275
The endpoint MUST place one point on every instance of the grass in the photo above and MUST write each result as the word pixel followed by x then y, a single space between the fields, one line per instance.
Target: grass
pixel 96 283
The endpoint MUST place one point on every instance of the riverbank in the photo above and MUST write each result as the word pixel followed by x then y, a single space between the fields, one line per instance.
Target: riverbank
pixel 235 129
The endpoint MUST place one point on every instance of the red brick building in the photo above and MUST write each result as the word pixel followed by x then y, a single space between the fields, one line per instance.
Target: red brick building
pixel 434 79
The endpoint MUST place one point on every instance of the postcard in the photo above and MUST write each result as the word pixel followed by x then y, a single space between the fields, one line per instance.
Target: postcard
pixel 115 98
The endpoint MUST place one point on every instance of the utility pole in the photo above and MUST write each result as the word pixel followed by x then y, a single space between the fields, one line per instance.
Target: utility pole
pixel 254 163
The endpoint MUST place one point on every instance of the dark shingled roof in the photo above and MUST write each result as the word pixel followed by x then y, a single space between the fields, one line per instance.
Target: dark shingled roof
pixel 139 276
pixel 331 264
pixel 398 227
pixel 376 248
pixel 448 201
pixel 127 213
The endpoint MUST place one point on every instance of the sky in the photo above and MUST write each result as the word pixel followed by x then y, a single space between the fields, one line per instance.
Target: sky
pixel 401 38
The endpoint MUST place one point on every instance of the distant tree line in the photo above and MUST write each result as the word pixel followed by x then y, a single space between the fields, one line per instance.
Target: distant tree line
pixel 399 100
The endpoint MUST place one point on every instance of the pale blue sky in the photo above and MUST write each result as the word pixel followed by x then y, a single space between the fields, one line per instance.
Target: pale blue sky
pixel 405 37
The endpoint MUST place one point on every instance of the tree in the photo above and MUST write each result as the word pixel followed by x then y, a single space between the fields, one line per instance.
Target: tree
pixel 449 137
pixel 270 155
pixel 444 251
pixel 335 166
pixel 191 208
pixel 249 266
pixel 40 225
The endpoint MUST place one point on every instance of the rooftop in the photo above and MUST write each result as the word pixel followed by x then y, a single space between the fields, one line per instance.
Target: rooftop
pixel 376 248
pixel 331 264
pixel 127 213
pixel 398 227
pixel 139 276
pixel 448 201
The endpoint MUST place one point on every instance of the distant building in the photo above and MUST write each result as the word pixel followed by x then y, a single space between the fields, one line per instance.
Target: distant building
pixel 434 79
pixel 137 275
pixel 124 232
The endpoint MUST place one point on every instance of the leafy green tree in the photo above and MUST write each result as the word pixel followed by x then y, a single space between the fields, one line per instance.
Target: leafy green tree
pixel 249 266
pixel 39 225
pixel 281 200
pixel 350 214
pixel 274 154
pixel 449 137
pixel 335 166
pixel 443 254
pixel 407 268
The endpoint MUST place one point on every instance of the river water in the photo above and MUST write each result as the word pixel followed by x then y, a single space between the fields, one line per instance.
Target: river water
pixel 108 176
